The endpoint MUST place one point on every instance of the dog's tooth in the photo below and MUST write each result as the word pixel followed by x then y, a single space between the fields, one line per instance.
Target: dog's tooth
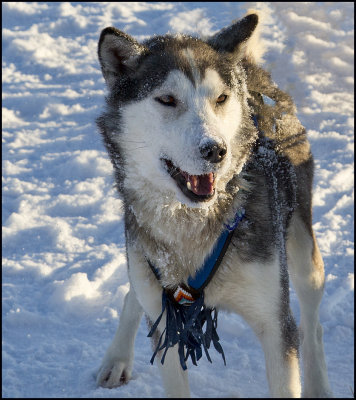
pixel 189 186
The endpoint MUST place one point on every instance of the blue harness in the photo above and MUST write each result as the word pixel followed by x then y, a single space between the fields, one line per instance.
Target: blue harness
pixel 186 313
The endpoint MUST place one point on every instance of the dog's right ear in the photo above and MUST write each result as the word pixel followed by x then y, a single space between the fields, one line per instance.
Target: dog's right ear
pixel 117 54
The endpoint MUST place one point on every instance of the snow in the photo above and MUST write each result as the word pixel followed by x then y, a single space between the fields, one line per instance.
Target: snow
pixel 64 268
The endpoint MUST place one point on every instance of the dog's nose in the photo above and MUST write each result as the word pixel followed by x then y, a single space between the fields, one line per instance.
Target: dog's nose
pixel 213 152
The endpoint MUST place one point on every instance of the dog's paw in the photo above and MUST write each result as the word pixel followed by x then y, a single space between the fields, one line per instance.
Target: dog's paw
pixel 113 373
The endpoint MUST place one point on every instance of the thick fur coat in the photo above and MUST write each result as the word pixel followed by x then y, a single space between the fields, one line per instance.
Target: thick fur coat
pixel 197 130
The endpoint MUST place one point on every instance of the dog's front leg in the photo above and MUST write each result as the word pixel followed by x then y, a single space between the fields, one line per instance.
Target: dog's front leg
pixel 149 293
pixel 282 363
pixel 117 364
pixel 282 366
pixel 175 379
pixel 259 299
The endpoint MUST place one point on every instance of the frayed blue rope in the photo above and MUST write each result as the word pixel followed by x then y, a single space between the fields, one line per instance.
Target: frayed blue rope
pixel 184 323
pixel 184 326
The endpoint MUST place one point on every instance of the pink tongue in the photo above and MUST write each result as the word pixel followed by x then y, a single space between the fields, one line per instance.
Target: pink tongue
pixel 201 185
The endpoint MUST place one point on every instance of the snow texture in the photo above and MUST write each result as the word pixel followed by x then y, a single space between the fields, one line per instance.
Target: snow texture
pixel 64 267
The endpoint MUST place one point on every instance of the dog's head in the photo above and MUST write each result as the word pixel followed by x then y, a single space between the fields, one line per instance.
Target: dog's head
pixel 177 110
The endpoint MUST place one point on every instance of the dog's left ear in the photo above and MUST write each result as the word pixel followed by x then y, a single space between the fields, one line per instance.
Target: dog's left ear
pixel 240 39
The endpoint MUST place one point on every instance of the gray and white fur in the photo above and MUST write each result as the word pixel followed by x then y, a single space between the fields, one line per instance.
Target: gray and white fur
pixel 186 155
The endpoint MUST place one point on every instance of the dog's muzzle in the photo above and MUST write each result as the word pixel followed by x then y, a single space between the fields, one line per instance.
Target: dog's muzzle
pixel 199 187
pixel 195 187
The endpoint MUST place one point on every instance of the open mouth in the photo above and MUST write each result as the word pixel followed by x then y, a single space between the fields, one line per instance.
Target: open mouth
pixel 195 187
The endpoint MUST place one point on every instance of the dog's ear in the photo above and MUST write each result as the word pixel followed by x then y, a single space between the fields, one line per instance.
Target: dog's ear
pixel 241 38
pixel 117 54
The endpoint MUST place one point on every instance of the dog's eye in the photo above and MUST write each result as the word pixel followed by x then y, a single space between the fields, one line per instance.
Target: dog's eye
pixel 167 100
pixel 221 99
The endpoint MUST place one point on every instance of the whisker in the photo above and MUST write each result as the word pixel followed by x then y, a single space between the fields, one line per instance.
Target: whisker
pixel 133 141
pixel 137 148
pixel 175 174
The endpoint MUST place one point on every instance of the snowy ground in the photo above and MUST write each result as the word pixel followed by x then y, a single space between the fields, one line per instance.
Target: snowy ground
pixel 64 269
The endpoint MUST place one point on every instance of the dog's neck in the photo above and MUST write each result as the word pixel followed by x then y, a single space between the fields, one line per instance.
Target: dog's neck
pixel 168 234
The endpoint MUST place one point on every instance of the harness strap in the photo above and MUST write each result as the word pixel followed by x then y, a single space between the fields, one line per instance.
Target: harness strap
pixel 204 274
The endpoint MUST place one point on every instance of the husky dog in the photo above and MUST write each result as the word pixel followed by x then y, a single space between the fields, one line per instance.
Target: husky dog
pixel 196 130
